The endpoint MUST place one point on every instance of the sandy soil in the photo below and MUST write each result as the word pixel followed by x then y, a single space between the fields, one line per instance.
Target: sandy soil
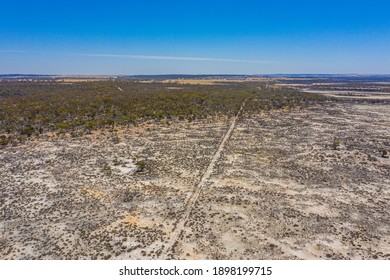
pixel 278 189
pixel 352 94
pixel 214 81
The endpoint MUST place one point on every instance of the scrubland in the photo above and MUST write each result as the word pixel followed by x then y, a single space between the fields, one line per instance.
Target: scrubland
pixel 161 171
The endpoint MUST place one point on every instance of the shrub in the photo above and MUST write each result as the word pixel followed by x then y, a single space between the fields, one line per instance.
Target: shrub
pixel 384 153
pixel 141 165
pixel 106 169
pixel 4 140
pixel 62 125
pixel 27 131
pixel 336 144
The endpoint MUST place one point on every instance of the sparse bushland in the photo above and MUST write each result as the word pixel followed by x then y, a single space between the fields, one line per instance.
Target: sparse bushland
pixel 31 109
pixel 80 197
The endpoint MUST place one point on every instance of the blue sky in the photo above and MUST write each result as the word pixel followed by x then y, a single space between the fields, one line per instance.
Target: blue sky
pixel 194 37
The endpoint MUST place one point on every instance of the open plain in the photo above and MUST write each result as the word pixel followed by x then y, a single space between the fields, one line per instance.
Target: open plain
pixel 295 182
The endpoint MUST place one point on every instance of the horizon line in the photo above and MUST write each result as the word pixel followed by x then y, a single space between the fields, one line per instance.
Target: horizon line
pixel 199 74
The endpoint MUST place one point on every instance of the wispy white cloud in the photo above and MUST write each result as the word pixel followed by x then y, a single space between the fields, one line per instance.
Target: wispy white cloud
pixel 149 57
pixel 159 57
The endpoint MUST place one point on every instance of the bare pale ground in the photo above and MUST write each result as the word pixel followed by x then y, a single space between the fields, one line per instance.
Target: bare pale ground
pixel 352 94
pixel 214 81
pixel 266 186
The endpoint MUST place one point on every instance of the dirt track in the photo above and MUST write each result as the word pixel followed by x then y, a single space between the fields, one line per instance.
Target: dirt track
pixel 276 190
